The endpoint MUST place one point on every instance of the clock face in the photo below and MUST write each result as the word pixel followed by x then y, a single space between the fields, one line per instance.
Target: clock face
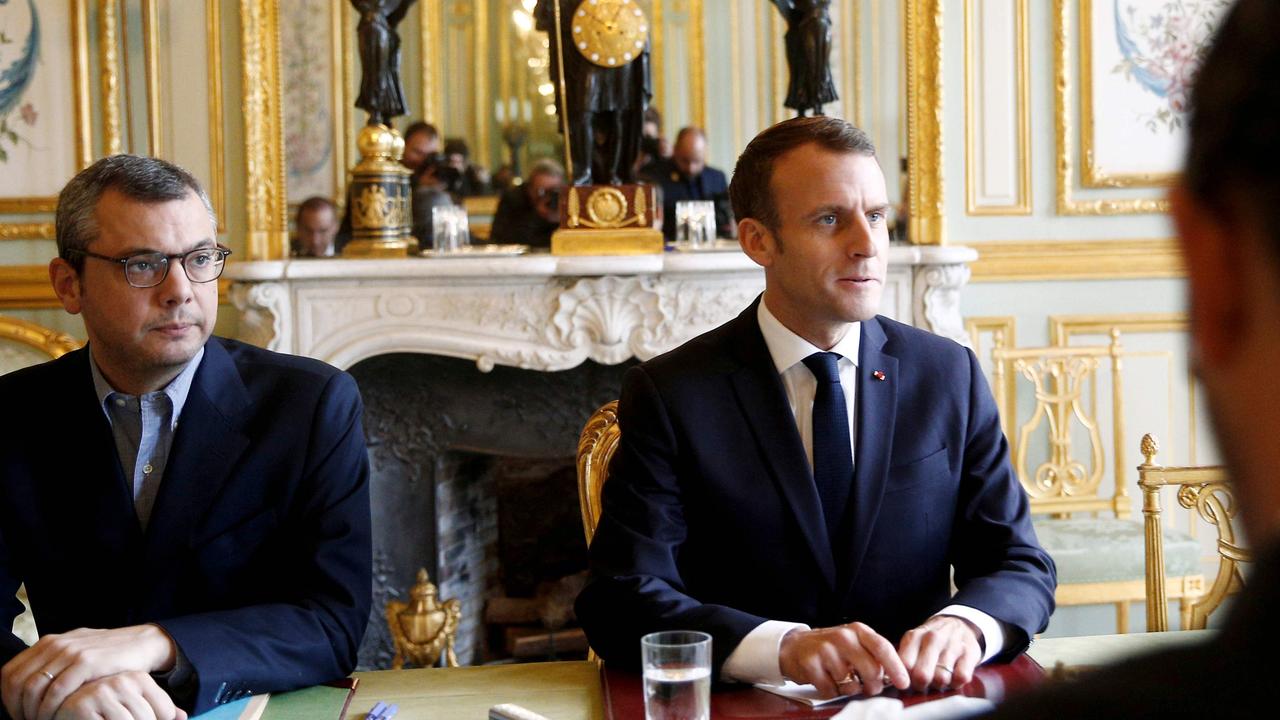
pixel 609 33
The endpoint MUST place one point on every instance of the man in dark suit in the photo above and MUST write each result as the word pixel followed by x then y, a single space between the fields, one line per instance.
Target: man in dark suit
pixel 204 504
pixel 801 482
pixel 1227 211
pixel 686 176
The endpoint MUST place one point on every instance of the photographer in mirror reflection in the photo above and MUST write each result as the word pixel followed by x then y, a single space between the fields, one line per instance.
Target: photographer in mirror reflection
pixel 530 213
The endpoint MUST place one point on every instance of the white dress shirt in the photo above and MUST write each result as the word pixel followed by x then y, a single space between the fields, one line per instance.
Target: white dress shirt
pixel 756 657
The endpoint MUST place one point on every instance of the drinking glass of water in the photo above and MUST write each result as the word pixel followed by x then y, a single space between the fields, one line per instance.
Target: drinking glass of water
pixel 677 675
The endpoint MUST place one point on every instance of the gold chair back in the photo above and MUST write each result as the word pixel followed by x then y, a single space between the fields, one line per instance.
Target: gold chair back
pixel 1205 490
pixel 1060 377
pixel 596 446
pixel 23 343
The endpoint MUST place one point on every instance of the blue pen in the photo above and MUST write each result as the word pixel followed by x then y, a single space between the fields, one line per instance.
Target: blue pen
pixel 377 711
pixel 389 712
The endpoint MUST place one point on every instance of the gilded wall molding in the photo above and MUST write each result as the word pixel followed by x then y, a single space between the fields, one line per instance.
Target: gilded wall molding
pixel 151 67
pixel 923 27
pixel 697 61
pixel 109 74
pixel 1094 176
pixel 762 97
pixel 217 148
pixel 1076 260
pixel 26 286
pixel 1022 80
pixel 80 89
pixel 735 72
pixel 1004 333
pixel 265 202
pixel 431 65
pixel 27 231
pixel 482 96
pixel 851 14
pixel 1067 205
pixel 1063 327
pixel 657 61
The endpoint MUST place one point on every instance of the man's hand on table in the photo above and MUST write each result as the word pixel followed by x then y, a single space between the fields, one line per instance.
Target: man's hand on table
pixel 38 681
pixel 941 653
pixel 842 660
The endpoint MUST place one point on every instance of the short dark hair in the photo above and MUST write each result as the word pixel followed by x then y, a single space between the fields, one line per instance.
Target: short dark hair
pixel 420 126
pixel 316 202
pixel 750 190
pixel 690 130
pixel 456 146
pixel 1233 153
pixel 145 179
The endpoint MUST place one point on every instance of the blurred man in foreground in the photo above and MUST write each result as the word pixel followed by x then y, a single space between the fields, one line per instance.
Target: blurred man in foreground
pixel 1227 211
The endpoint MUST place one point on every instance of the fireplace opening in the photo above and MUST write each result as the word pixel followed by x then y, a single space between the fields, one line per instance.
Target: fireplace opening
pixel 473 479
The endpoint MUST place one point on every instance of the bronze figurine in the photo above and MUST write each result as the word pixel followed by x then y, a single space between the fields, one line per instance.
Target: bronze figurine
pixel 380 93
pixel 808 43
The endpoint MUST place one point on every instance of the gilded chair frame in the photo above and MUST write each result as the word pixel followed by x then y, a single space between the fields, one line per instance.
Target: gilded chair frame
pixel 51 342
pixel 1205 490
pixel 596 446
pixel 1062 485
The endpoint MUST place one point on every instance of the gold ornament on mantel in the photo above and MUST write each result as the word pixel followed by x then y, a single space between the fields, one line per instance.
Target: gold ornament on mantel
pixel 424 627
pixel 380 196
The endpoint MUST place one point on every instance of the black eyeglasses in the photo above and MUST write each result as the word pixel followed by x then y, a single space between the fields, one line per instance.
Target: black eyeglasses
pixel 148 269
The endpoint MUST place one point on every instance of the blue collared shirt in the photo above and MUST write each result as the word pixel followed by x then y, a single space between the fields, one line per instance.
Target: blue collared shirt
pixel 143 427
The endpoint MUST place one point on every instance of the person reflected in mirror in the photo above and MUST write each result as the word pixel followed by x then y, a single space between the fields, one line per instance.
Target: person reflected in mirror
pixel 654 147
pixel 315 228
pixel 457 174
pixel 530 213
pixel 686 176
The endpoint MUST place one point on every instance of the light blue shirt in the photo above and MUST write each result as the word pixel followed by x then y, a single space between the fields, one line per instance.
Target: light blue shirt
pixel 143 427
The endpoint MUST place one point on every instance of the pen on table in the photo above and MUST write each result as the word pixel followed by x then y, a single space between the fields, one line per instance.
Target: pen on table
pixel 377 711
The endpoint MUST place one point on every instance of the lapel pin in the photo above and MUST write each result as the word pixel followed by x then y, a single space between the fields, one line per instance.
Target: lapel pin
pixel 879 375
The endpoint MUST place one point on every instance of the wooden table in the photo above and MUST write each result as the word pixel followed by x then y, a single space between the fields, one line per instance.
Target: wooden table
pixel 1089 651
pixel 574 691
pixel 556 690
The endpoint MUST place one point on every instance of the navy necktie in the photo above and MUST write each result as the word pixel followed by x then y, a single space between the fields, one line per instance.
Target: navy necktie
pixel 832 453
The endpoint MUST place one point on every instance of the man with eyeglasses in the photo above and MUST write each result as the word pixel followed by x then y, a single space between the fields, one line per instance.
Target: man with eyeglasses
pixel 190 514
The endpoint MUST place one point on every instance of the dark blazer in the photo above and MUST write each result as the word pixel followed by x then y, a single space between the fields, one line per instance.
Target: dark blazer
pixel 1231 675
pixel 710 185
pixel 257 558
pixel 711 520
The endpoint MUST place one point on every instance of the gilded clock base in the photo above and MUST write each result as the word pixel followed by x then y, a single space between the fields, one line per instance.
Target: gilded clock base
pixel 377 248
pixel 615 241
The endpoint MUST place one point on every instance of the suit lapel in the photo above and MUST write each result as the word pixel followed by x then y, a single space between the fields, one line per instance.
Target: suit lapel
pixel 876 412
pixel 91 480
pixel 208 442
pixel 764 404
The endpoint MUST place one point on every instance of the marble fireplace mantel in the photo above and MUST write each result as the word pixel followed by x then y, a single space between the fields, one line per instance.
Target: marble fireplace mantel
pixel 541 312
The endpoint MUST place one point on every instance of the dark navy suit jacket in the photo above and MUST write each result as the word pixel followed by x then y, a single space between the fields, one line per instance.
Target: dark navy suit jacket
pixel 257 557
pixel 711 520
